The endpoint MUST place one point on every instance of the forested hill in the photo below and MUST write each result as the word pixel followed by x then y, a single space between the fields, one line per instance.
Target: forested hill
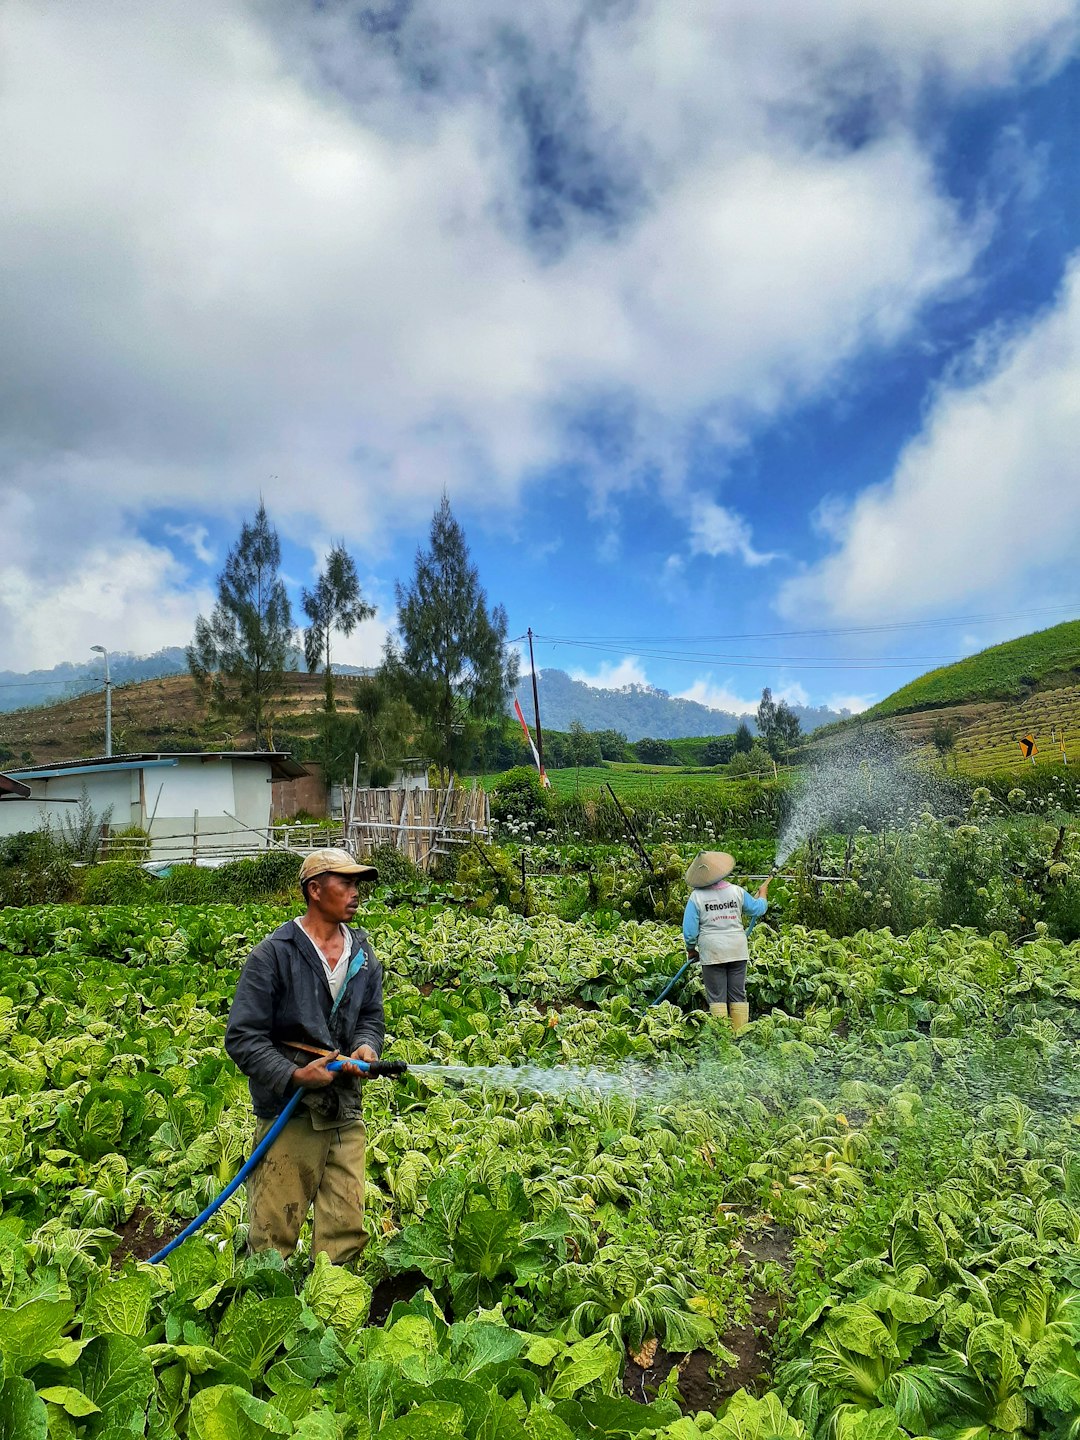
pixel 20 688
pixel 639 710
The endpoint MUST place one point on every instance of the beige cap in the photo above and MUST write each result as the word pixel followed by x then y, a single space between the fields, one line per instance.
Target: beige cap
pixel 335 862
pixel 709 867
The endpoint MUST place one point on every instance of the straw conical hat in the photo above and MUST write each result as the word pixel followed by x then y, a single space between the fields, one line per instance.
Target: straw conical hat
pixel 709 867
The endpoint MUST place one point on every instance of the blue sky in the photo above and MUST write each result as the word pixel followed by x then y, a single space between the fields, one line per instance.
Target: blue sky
pixel 719 323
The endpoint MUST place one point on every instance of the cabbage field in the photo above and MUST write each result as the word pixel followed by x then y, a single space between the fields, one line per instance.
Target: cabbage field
pixel 859 1220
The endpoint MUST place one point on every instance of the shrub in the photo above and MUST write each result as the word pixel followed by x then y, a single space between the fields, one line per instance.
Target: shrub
pixel 129 842
pixel 35 869
pixel 519 797
pixel 720 750
pixel 655 752
pixel 755 761
pixel 188 885
pixel 116 882
pixel 275 872
pixel 395 869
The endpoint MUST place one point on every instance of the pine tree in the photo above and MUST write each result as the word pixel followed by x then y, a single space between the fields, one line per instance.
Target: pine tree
pixel 450 659
pixel 335 604
pixel 239 655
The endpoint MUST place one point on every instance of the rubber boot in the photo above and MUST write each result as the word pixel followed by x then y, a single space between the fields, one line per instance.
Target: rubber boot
pixel 740 1014
pixel 718 1009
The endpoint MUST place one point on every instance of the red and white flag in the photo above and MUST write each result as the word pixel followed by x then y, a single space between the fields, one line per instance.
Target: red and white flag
pixel 528 736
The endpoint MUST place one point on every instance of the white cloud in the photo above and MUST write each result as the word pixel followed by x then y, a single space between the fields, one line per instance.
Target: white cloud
pixel 134 597
pixel 286 266
pixel 196 538
pixel 717 697
pixel 613 675
pixel 715 530
pixel 365 645
pixel 855 704
pixel 985 497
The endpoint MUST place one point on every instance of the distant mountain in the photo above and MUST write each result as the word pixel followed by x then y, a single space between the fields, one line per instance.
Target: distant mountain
pixel 639 710
pixel 44 687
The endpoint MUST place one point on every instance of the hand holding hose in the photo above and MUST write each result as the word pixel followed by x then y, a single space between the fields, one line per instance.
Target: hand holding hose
pixel 317 1073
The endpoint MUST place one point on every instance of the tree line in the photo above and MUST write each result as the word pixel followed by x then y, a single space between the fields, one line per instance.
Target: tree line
pixel 443 682
pixel 445 672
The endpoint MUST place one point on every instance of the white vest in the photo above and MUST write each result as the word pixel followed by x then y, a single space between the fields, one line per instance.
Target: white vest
pixel 721 937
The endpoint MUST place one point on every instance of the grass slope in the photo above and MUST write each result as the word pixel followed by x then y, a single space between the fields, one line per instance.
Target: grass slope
pixel 1047 659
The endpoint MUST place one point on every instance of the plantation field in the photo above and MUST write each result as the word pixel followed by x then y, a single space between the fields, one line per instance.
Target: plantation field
pixel 987 732
pixel 1010 671
pixel 860 1218
pixel 633 780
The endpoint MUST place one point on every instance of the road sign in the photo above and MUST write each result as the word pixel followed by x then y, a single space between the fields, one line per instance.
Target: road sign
pixel 1028 746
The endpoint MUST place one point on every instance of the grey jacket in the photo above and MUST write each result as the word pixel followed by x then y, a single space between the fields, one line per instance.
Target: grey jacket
pixel 283 995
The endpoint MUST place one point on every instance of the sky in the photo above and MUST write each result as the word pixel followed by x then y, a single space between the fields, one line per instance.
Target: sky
pixel 744 339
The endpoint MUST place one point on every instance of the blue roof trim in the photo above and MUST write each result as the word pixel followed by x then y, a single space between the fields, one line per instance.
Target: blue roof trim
pixel 92 769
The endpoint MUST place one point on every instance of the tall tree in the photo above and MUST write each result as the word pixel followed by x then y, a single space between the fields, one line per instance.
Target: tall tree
pixel 335 604
pixel 777 724
pixel 239 655
pixel 450 659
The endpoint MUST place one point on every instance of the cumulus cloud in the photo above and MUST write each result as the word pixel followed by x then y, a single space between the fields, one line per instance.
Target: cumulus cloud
pixel 854 704
pixel 717 697
pixel 715 530
pixel 984 497
pixel 260 248
pixel 613 675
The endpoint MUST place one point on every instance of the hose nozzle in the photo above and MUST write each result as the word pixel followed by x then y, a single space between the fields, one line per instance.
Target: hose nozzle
pixel 373 1069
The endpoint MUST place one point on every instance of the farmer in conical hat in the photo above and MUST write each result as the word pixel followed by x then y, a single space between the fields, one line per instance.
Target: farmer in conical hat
pixel 714 934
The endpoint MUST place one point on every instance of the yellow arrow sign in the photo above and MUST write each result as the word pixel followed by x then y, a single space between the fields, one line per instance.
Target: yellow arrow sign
pixel 1028 746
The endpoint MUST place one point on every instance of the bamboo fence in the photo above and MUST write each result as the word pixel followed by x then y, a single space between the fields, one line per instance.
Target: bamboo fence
pixel 421 824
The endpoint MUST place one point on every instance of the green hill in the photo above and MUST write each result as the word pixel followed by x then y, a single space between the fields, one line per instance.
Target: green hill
pixel 1045 660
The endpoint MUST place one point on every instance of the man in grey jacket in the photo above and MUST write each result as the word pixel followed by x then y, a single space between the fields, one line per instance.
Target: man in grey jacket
pixel 314 983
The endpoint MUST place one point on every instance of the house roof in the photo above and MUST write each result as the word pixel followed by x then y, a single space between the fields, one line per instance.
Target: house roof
pixel 13 789
pixel 282 765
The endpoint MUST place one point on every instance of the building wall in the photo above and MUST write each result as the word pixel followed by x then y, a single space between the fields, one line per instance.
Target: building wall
pixel 231 800
pixel 307 794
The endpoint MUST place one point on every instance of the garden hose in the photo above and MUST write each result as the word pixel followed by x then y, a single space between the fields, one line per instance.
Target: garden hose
pixel 374 1070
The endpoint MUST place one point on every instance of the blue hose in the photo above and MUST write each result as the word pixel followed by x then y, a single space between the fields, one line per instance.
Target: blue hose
pixel 245 1169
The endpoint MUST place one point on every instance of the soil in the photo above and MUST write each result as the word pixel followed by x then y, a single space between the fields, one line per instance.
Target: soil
pixel 140 1236
pixel 751 1344
pixel 388 1292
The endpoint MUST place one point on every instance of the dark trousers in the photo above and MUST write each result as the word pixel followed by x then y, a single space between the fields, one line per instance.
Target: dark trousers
pixel 725 984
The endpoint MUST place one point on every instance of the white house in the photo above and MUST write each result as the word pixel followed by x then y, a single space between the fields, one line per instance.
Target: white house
pixel 196 806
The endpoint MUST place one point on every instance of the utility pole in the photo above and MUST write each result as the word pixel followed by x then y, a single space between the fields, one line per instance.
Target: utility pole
pixel 536 704
pixel 108 699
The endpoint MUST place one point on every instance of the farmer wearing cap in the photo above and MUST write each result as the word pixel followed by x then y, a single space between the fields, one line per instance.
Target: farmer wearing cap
pixel 714 934
pixel 315 982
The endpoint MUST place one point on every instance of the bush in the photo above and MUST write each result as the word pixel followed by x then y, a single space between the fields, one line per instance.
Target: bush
pixel 273 873
pixel 755 761
pixel 35 869
pixel 613 744
pixel 188 885
pixel 117 882
pixel 489 876
pixel 519 798
pixel 655 752
pixel 395 869
pixel 720 750
pixel 130 842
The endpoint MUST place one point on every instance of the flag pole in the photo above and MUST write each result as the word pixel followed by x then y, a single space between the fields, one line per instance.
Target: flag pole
pixel 536 703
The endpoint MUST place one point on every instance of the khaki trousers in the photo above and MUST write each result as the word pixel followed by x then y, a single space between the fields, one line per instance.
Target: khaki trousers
pixel 305 1165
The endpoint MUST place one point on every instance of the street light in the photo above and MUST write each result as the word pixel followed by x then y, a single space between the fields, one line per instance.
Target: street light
pixel 108 699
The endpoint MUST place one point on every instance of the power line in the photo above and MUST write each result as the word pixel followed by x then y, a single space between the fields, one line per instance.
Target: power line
pixel 822 633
